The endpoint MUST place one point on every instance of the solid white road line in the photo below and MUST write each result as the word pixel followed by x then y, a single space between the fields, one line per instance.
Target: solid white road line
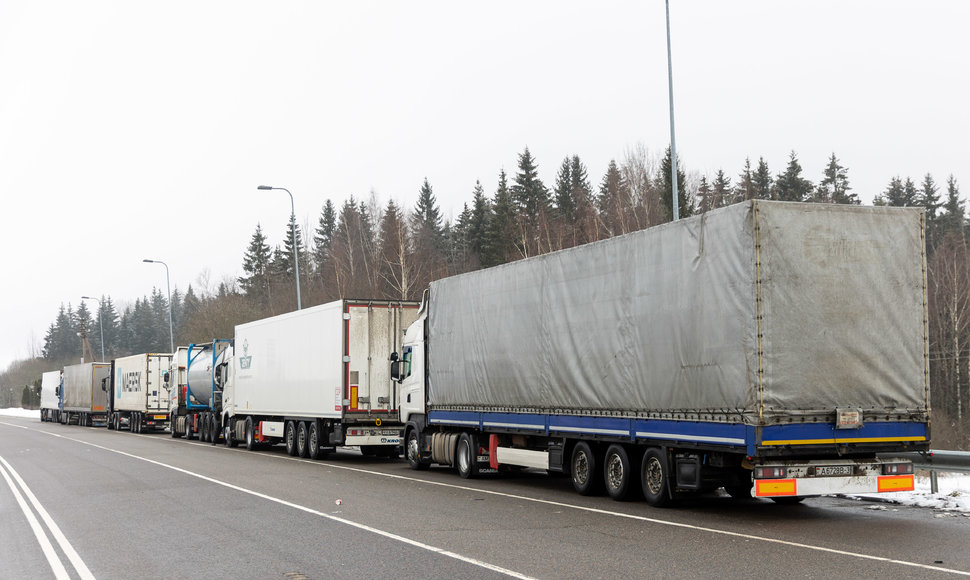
pixel 59 536
pixel 59 572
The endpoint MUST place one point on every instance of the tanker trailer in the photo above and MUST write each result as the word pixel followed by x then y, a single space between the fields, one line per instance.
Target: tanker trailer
pixel 199 373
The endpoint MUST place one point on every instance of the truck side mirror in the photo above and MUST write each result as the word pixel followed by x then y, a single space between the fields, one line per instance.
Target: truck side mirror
pixel 57 391
pixel 396 370
pixel 104 385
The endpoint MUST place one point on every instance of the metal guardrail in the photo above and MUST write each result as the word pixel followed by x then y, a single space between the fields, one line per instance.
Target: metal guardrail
pixel 937 460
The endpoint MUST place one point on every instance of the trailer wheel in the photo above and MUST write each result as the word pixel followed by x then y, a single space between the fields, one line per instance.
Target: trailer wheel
pixel 188 427
pixel 111 422
pixel 413 451
pixel 583 468
pixel 313 442
pixel 618 473
pixel 289 436
pixel 213 430
pixel 654 478
pixel 302 446
pixel 466 456
pixel 250 435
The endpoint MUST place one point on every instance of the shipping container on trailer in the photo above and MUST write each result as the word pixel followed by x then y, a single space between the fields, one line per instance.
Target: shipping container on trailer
pixel 139 397
pixel 318 378
pixel 767 347
pixel 85 394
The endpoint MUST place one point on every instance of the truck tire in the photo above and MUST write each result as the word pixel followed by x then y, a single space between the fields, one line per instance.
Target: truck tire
pixel 173 427
pixel 227 436
pixel 412 451
pixel 204 428
pixel 188 427
pixel 619 474
pixel 111 422
pixel 466 456
pixel 313 442
pixel 654 478
pixel 250 435
pixel 584 469
pixel 302 435
pixel 213 430
pixel 289 435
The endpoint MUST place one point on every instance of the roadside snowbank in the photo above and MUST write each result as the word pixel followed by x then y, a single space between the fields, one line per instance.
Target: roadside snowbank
pixel 18 412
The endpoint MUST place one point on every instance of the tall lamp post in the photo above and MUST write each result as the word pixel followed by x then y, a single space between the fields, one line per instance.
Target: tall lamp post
pixel 168 287
pixel 673 142
pixel 296 246
pixel 100 323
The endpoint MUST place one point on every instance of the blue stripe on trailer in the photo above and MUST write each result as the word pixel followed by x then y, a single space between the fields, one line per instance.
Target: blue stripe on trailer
pixel 827 434
pixel 674 431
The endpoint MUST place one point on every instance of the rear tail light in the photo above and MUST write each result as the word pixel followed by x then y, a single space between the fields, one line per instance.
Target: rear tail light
pixel 769 472
pixel 897 468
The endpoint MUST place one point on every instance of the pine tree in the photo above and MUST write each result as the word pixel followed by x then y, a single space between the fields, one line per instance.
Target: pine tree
pixel 721 189
pixel 763 182
pixel 499 246
pixel 610 201
pixel 685 201
pixel 894 195
pixel 478 224
pixel 929 198
pixel 256 266
pixel 323 236
pixel 834 187
pixel 427 215
pixel 562 193
pixel 397 267
pixel 954 216
pixel 705 197
pixel 528 191
pixel 744 190
pixel 581 190
pixel 790 185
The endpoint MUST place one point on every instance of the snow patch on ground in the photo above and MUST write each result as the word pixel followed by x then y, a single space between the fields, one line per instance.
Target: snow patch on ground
pixel 953 494
pixel 18 412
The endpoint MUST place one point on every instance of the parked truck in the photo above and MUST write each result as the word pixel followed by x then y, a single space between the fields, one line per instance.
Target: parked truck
pixel 50 400
pixel 768 348
pixel 139 394
pixel 199 375
pixel 85 394
pixel 318 378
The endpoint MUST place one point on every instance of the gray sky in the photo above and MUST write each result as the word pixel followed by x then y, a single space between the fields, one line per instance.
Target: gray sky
pixel 133 130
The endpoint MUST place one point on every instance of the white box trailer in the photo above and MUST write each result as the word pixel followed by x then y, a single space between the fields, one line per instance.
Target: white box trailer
pixel 140 392
pixel 85 393
pixel 318 378
pixel 50 402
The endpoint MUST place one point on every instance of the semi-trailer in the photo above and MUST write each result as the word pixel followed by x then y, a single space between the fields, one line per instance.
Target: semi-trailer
pixel 50 400
pixel 199 375
pixel 139 397
pixel 768 348
pixel 85 394
pixel 318 378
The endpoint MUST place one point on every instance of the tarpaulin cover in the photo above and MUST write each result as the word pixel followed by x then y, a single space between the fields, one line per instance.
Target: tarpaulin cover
pixel 669 319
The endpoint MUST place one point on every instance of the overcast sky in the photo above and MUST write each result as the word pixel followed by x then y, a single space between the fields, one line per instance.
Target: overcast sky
pixel 132 130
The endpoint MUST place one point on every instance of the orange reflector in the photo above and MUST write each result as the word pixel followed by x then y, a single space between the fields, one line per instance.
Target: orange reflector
pixel 896 483
pixel 774 487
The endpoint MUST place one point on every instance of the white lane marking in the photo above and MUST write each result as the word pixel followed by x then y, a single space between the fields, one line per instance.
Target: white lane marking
pixel 365 527
pixel 59 536
pixel 45 544
pixel 588 509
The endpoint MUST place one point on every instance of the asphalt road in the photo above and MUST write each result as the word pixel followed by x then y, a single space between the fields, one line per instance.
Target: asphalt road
pixel 116 505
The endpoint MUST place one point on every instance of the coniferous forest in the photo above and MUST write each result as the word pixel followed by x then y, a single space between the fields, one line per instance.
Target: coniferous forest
pixel 364 248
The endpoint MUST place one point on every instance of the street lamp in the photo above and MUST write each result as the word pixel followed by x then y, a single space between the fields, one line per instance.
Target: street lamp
pixel 673 142
pixel 100 323
pixel 168 286
pixel 296 250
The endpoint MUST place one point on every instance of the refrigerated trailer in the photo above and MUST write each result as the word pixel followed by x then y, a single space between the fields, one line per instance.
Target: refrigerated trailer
pixel 318 378
pixel 50 400
pixel 85 394
pixel 139 393
pixel 768 348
